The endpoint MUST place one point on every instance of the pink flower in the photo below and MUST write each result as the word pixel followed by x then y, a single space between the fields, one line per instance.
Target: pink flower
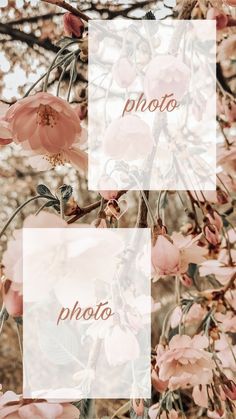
pixel 73 25
pixel 166 74
pixel 165 256
pixel 229 107
pixel 227 48
pixel 186 280
pixel 13 406
pixel 220 17
pixel 227 158
pixel 212 234
pixel 124 72
pixel 189 250
pixel 5 131
pixel 158 384
pixel 185 363
pixel 195 315
pixel 154 409
pixel 200 396
pixel 116 352
pixel 138 407
pixel 227 321
pixel 215 218
pixel 47 125
pixel 12 299
pixel 12 257
pixel 231 3
pixel 222 273
pixel 225 353
pixel 201 196
pixel 128 138
pixel 230 390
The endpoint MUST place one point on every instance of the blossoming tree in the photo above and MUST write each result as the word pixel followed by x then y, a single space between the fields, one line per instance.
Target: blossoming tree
pixel 43 169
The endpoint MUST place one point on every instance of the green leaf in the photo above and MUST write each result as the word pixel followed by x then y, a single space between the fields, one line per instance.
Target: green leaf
pixel 66 192
pixel 43 190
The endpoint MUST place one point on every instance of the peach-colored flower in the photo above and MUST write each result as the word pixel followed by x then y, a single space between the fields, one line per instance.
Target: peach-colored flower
pixel 154 409
pixel 220 267
pixel 166 74
pixel 165 256
pixel 212 234
pixel 225 353
pixel 215 219
pixel 218 15
pixel 231 3
pixel 12 299
pixel 128 138
pixel 5 131
pixel 186 280
pixel 229 107
pixel 186 362
pixel 158 384
pixel 200 396
pixel 48 126
pixel 227 321
pixel 138 407
pixel 195 315
pixel 73 25
pixel 189 250
pixel 124 72
pixel 227 158
pixel 13 406
pixel 227 49
pixel 201 196
pixel 12 257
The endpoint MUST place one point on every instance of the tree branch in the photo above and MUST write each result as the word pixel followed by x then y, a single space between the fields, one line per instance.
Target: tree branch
pixel 86 210
pixel 32 19
pixel 29 39
pixel 142 212
pixel 67 6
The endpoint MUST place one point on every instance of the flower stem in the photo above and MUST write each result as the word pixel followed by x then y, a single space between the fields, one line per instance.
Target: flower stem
pixel 19 209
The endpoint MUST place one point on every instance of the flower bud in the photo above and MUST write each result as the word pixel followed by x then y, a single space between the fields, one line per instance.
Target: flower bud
pixel 186 280
pixel 220 17
pixel 138 407
pixel 165 256
pixel 12 299
pixel 231 3
pixel 222 196
pixel 212 235
pixel 230 390
pixel 214 218
pixel 159 385
pixel 73 25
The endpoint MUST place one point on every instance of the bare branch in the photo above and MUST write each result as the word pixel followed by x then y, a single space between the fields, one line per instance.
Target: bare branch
pixel 29 39
pixel 66 6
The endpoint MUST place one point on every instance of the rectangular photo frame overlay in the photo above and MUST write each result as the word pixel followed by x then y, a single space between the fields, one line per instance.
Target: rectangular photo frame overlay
pixel 152 105
pixel 87 313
